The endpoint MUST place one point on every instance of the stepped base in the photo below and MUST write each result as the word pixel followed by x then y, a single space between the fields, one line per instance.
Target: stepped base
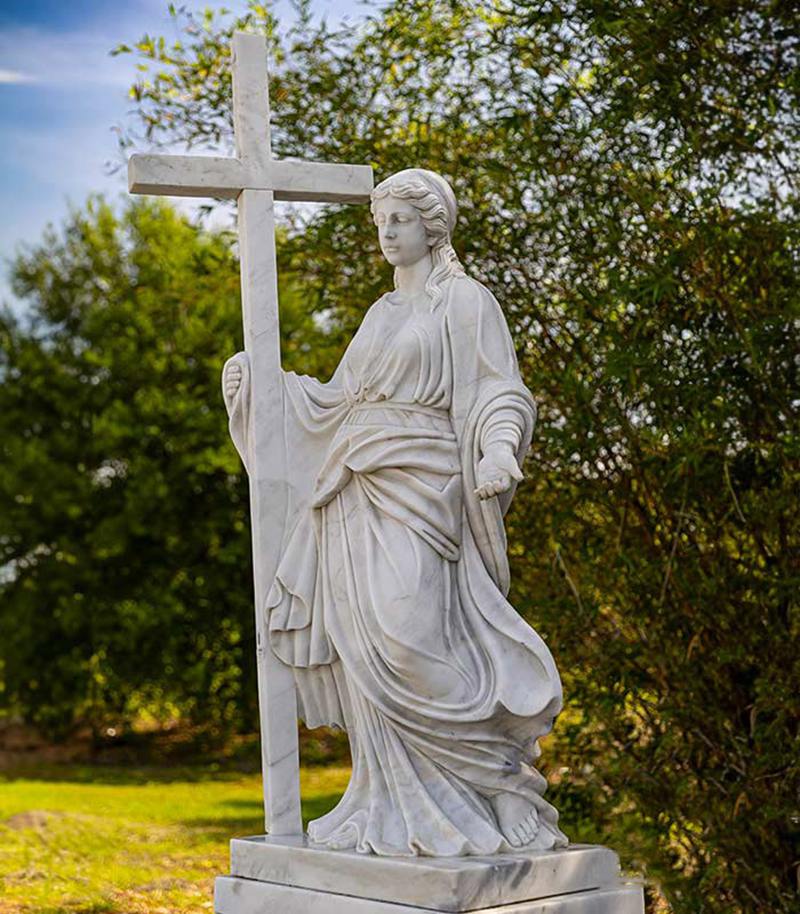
pixel 289 876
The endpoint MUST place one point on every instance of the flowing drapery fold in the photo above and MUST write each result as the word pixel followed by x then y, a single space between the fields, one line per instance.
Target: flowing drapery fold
pixel 389 601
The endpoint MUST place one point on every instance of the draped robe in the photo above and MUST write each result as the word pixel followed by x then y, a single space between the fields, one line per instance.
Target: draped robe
pixel 389 601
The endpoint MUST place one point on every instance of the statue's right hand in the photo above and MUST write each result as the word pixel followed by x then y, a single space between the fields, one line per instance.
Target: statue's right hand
pixel 234 375
pixel 232 380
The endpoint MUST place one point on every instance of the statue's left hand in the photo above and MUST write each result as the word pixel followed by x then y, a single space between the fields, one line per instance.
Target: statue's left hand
pixel 497 468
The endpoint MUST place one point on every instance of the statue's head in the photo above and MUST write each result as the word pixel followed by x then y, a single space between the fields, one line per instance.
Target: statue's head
pixel 415 212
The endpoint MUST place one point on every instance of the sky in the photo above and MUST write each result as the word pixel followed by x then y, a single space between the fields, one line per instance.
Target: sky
pixel 61 96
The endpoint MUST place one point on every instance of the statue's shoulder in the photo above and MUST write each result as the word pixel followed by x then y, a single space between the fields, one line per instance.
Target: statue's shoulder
pixel 463 285
pixel 375 310
pixel 469 297
pixel 381 303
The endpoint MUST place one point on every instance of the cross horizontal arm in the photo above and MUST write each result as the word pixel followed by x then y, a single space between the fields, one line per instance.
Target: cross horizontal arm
pixel 187 176
pixel 226 178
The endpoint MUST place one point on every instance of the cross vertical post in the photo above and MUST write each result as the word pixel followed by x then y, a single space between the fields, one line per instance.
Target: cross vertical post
pixel 255 180
pixel 277 700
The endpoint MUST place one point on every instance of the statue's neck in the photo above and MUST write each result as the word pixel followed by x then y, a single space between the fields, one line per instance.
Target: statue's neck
pixel 410 280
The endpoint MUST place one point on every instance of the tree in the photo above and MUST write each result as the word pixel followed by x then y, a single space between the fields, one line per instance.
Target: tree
pixel 124 528
pixel 628 181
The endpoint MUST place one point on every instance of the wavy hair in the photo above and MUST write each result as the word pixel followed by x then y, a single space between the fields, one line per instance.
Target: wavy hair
pixel 434 199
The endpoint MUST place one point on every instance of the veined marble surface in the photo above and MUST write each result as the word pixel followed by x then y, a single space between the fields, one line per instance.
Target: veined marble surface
pixel 243 896
pixel 389 600
pixel 452 884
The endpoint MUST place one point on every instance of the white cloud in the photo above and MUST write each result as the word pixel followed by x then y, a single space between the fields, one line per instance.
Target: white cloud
pixel 12 77
pixel 80 57
pixel 62 59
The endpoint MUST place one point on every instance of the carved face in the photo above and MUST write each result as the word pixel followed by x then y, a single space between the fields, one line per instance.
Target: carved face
pixel 401 231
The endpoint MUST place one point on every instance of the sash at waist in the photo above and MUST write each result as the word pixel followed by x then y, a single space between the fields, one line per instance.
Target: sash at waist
pixel 395 412
pixel 410 441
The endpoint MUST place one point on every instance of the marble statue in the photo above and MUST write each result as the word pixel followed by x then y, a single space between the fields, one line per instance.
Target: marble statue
pixel 389 601
pixel 380 573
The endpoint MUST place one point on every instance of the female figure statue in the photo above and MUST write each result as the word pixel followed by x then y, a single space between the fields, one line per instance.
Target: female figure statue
pixel 389 601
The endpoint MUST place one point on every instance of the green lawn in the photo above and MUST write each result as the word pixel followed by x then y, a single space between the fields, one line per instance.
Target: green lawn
pixel 130 841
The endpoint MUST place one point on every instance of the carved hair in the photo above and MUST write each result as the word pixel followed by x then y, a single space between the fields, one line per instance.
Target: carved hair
pixel 436 202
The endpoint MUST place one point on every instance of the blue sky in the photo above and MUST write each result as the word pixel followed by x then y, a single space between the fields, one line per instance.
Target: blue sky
pixel 61 95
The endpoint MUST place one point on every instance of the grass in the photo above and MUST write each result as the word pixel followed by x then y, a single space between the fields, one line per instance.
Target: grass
pixel 81 840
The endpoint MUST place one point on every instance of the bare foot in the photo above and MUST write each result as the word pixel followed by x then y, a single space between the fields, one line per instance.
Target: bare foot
pixel 517 818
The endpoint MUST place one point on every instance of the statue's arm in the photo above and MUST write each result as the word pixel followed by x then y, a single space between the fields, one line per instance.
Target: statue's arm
pixel 312 405
pixel 485 333
pixel 235 372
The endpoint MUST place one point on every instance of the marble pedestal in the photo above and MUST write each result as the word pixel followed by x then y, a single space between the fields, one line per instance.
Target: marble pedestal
pixel 286 876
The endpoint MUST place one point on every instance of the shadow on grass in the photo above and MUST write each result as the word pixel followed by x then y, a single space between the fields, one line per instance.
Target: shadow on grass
pixel 136 775
pixel 247 817
pixel 314 807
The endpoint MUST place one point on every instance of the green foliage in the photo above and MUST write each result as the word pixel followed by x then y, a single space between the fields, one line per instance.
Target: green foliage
pixel 628 181
pixel 124 525
pixel 124 513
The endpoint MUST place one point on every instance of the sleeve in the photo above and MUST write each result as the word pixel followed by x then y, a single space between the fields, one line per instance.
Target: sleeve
pixel 316 406
pixel 504 426
pixel 490 404
pixel 484 357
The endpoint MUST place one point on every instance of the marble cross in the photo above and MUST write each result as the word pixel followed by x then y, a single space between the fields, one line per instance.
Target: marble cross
pixel 255 180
